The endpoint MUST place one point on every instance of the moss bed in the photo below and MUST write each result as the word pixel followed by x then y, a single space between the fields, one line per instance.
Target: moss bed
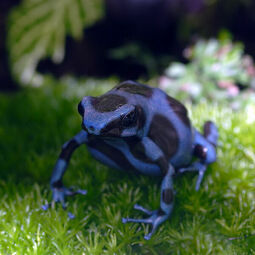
pixel 218 219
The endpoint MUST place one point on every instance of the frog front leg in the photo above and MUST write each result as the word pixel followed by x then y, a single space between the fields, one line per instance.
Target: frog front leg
pixel 58 190
pixel 156 217
pixel 205 149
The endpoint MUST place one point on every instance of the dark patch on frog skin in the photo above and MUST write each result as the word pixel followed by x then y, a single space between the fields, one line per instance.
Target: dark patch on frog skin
pixel 200 151
pixel 179 109
pixel 163 164
pixel 207 131
pixel 80 109
pixel 161 212
pixel 108 102
pixel 112 153
pixel 58 184
pixel 163 133
pixel 67 151
pixel 135 88
pixel 113 128
pixel 207 128
pixel 167 196
pixel 141 117
pixel 137 149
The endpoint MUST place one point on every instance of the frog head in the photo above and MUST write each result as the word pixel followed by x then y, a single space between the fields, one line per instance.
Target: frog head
pixel 110 115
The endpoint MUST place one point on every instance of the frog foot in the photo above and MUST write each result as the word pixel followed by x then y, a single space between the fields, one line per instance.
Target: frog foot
pixel 155 218
pixel 200 168
pixel 58 196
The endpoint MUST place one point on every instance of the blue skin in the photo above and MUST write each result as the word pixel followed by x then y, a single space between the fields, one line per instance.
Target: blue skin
pixel 134 126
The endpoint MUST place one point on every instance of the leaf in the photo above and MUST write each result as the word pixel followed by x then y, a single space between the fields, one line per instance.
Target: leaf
pixel 38 28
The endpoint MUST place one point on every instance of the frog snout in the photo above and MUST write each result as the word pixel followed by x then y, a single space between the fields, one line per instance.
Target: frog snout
pixel 90 128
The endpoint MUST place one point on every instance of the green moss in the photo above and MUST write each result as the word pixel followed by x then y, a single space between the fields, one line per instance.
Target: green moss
pixel 219 219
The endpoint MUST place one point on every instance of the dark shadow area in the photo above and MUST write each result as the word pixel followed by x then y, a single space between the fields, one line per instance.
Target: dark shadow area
pixel 161 28
pixel 6 81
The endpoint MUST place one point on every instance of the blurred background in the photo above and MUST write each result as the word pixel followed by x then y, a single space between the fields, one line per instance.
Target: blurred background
pixel 180 44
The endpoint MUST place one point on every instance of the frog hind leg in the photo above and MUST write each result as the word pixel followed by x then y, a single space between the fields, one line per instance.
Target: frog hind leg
pixel 157 217
pixel 59 192
pixel 205 149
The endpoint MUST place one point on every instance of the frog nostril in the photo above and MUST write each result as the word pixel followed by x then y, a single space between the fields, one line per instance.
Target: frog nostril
pixel 91 128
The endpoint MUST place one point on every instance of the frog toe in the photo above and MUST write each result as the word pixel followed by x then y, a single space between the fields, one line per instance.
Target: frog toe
pixel 126 220
pixel 70 215
pixel 155 219
pixel 198 167
pixel 142 209
pixel 72 192
pixel 46 206
pixel 200 177
pixel 59 194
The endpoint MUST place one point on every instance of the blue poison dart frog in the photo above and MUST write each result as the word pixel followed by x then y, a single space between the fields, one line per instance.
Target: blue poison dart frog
pixel 135 127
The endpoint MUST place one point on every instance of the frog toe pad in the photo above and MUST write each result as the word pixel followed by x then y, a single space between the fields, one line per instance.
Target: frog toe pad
pixel 59 194
pixel 198 167
pixel 155 219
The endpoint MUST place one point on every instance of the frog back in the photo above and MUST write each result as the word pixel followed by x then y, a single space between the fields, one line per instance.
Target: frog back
pixel 166 120
pixel 170 128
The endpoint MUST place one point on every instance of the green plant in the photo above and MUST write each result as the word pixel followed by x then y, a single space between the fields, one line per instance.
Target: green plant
pixel 38 28
pixel 216 70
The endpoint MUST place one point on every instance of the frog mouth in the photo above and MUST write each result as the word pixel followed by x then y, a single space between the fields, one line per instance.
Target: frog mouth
pixel 114 132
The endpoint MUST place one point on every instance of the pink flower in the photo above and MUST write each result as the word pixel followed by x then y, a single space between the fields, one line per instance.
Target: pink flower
pixel 225 84
pixel 164 82
pixel 185 87
pixel 233 90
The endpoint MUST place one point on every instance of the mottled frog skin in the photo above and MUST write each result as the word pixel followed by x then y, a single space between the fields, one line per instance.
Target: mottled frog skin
pixel 134 127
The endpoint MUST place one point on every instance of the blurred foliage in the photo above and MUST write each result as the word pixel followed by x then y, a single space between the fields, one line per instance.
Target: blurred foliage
pixel 217 70
pixel 139 54
pixel 38 28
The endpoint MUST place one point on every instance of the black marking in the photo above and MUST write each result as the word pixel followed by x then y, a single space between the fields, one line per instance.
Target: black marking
pixel 112 153
pixel 108 102
pixel 179 109
pixel 129 119
pixel 58 184
pixel 137 149
pixel 163 133
pixel 163 164
pixel 141 117
pixel 135 88
pixel 167 196
pixel 207 131
pixel 160 212
pixel 113 128
pixel 200 151
pixel 207 128
pixel 68 149
pixel 80 109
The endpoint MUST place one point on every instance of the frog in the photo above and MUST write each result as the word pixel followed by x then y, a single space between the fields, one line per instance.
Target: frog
pixel 138 128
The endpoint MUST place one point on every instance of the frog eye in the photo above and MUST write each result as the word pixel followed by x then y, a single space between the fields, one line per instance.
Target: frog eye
pixel 80 109
pixel 129 119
